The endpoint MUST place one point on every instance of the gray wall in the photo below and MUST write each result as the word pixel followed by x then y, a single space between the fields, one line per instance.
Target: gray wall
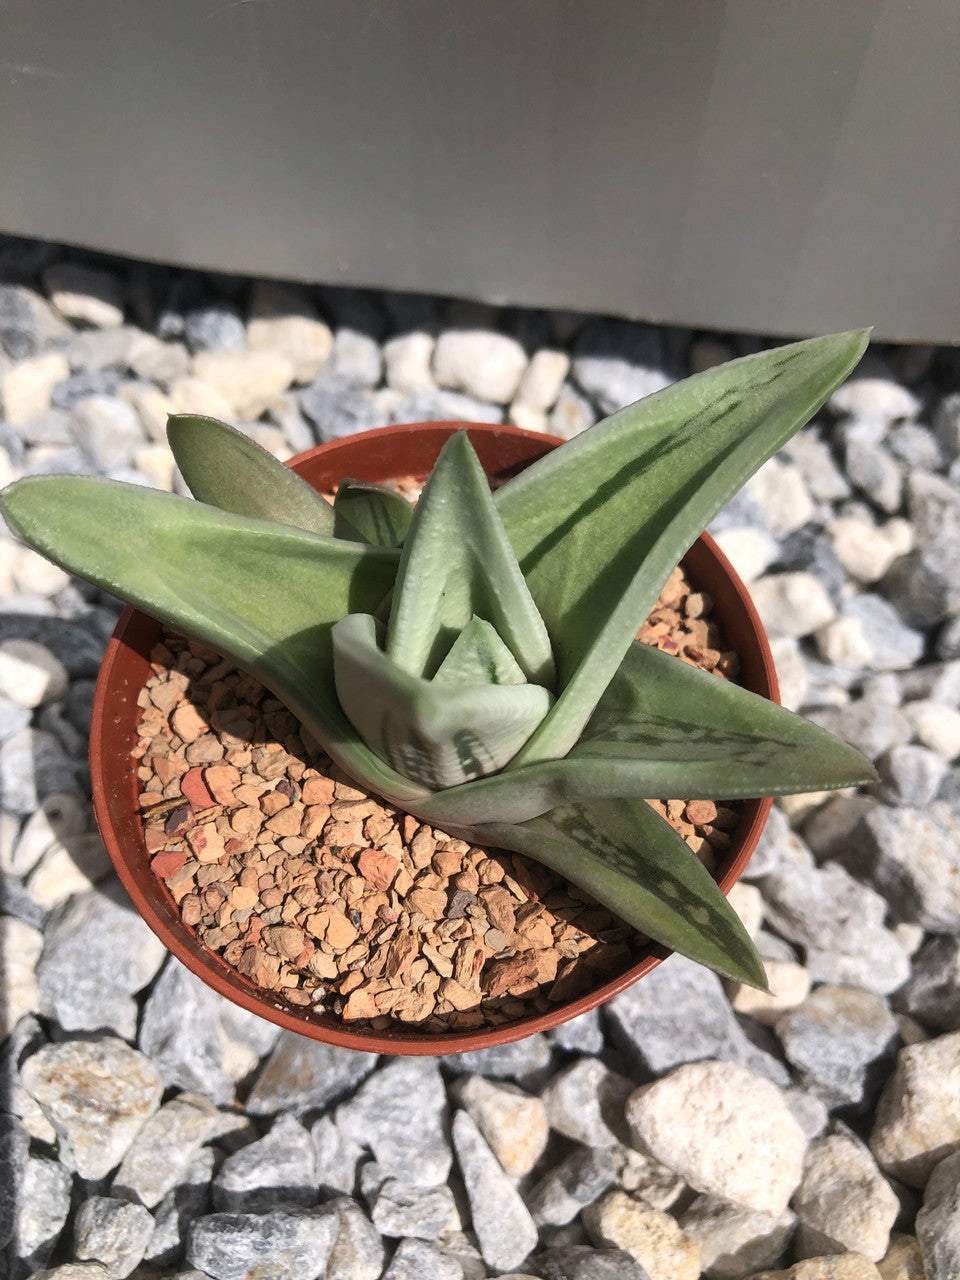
pixel 784 166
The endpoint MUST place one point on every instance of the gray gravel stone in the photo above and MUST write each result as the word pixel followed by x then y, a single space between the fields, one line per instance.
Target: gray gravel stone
pixel 402 1209
pixel 909 775
pixel 875 473
pixel 938 1222
pixel 216 327
pixel 336 1156
pixel 14 1154
pixel 355 361
pixel 617 362
pixel 912 856
pixel 182 1204
pixel 679 1013
pixel 839 921
pixel 338 411
pixel 439 406
pixel 358 1251
pixel 82 386
pixel 398 1114
pixel 736 1242
pixel 925 585
pixel 97 953
pixel 519 1060
pixel 230 1246
pixel 843 1202
pixel 114 1233
pixel 840 1042
pixel 28 324
pixel 92 349
pixel 585 1102
pixel 198 1040
pixel 583 1034
pixel 932 992
pixel 874 395
pixel 418 1260
pixel 917 446
pixel 108 430
pixel 824 479
pixel 166 1147
pixel 302 1075
pixel 869 726
pixel 43 1202
pixel 576 1181
pixel 97 1095
pixel 33 765
pixel 88 294
pixel 895 646
pixel 278 1169
pixel 503 1226
pixel 581 1262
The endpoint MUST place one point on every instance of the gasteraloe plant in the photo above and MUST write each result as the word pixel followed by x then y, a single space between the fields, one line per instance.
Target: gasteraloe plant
pixel 473 660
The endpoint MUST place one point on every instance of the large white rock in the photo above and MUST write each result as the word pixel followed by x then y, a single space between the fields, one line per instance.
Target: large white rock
pixel 480 362
pixel 725 1130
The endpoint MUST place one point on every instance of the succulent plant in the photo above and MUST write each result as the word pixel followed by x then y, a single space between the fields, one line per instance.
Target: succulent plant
pixel 473 659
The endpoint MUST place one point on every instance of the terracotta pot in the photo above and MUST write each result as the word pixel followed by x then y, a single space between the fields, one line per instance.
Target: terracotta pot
pixel 377 455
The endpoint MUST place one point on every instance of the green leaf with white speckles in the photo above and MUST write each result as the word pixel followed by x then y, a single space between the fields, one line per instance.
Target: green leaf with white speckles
pixel 599 524
pixel 631 860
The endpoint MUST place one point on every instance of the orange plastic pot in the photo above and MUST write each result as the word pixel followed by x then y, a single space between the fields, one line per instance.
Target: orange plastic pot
pixel 377 455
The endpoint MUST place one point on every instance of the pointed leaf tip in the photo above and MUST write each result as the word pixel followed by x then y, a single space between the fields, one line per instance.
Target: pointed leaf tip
pixel 225 468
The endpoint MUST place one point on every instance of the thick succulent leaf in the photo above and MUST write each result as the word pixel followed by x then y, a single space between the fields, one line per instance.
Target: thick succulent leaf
pixel 456 562
pixel 227 469
pixel 264 594
pixel 371 512
pixel 599 524
pixel 664 728
pixel 436 734
pixel 478 656
pixel 632 861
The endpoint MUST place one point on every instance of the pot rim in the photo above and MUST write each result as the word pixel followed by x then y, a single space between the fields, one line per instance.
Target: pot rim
pixel 125 668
